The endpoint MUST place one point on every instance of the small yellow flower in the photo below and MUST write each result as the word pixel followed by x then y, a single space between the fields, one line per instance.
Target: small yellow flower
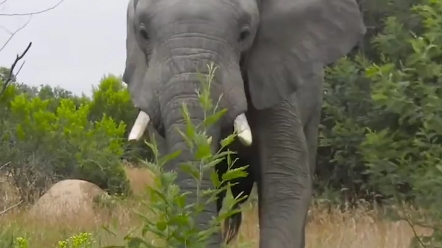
pixel 82 240
pixel 21 242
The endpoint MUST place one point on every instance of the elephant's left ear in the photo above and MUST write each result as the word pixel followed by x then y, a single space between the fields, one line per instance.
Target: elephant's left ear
pixel 136 63
pixel 295 39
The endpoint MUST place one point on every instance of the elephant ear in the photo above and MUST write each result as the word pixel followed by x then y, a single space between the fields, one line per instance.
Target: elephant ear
pixel 136 64
pixel 295 39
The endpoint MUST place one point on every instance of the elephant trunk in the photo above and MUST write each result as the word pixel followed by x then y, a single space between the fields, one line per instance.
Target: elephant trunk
pixel 181 91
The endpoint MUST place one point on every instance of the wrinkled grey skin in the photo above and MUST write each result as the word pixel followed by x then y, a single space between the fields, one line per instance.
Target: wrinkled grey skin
pixel 270 56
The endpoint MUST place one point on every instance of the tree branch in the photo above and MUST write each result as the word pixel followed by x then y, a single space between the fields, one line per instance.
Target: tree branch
pixel 10 208
pixel 31 13
pixel 4 165
pixel 14 33
pixel 6 30
pixel 11 71
pixel 19 57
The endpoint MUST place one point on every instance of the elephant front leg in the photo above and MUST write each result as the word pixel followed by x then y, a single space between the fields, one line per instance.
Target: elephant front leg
pixel 285 182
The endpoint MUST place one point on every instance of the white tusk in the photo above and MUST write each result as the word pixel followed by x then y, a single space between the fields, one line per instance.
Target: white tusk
pixel 140 126
pixel 242 127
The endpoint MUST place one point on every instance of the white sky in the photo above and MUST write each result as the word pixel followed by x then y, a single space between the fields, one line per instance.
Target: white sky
pixel 74 45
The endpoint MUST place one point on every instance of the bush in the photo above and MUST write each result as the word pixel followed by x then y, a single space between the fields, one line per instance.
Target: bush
pixel 50 146
pixel 111 98
pixel 382 119
pixel 346 111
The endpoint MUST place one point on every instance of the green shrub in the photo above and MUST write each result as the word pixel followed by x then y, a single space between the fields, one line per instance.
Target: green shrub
pixel 50 146
pixel 409 156
pixel 111 98
pixel 346 111
pixel 382 119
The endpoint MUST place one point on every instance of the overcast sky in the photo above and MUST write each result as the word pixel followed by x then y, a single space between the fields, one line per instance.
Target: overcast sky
pixel 74 45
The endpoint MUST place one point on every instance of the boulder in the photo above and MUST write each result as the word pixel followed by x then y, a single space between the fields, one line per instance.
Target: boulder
pixel 67 200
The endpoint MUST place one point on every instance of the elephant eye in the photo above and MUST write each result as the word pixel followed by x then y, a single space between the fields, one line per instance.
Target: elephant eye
pixel 143 32
pixel 244 34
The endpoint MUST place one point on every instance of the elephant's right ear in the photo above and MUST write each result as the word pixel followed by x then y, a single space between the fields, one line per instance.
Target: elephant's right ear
pixel 136 64
pixel 295 39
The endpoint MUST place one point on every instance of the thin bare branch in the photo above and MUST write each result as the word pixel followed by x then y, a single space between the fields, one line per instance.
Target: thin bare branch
pixel 11 72
pixel 19 69
pixel 14 33
pixel 32 13
pixel 10 208
pixel 418 238
pixel 2 2
pixel 4 165
pixel 6 30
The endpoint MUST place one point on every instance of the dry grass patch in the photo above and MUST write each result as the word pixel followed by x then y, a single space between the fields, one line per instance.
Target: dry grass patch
pixel 336 229
pixel 8 194
pixel 331 229
pixel 139 178
pixel 358 229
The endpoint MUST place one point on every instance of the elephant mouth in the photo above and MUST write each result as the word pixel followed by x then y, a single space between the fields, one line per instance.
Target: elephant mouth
pixel 240 124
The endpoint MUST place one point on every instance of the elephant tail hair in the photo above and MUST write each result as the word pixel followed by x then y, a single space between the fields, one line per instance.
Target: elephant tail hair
pixel 232 225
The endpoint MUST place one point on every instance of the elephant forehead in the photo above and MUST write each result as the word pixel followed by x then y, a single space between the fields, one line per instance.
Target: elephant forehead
pixel 209 11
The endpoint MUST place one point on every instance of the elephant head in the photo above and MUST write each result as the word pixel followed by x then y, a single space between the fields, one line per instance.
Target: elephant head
pixel 264 50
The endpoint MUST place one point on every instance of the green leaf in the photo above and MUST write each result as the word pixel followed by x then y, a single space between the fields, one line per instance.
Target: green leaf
pixel 235 173
pixel 190 129
pixel 191 170
pixel 161 225
pixel 169 157
pixel 189 142
pixel 156 194
pixel 212 163
pixel 181 220
pixel 214 178
pixel 181 199
pixel 212 119
pixel 203 150
pixel 228 140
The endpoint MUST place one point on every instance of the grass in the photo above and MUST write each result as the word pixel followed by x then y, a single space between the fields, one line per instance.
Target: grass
pixel 326 228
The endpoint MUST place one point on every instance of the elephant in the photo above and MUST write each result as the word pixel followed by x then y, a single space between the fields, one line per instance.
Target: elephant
pixel 270 57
